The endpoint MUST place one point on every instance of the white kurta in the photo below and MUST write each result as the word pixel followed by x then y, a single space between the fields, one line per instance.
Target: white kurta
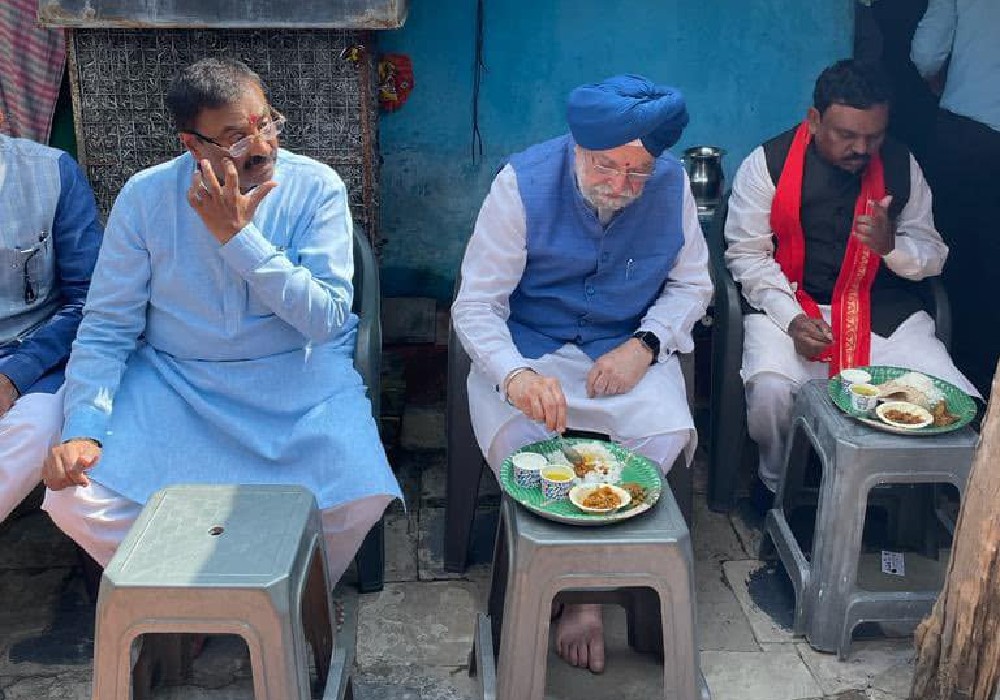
pixel 771 368
pixel 492 268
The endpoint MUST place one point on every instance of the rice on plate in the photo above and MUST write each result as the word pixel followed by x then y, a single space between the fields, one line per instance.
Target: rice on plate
pixel 600 465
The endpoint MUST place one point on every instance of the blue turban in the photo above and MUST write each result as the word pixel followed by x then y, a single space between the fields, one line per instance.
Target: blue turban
pixel 625 108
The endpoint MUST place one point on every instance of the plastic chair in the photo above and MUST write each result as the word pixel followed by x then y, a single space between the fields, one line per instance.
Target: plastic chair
pixel 466 463
pixel 370 559
pixel 729 444
pixel 223 559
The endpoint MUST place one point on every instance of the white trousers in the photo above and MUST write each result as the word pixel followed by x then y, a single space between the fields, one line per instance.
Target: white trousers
pixel 772 372
pixel 27 432
pixel 520 431
pixel 98 519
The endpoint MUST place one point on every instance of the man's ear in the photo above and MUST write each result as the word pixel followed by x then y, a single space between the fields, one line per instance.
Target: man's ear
pixel 813 116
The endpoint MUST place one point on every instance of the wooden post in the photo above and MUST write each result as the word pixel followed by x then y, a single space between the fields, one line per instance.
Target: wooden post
pixel 958 646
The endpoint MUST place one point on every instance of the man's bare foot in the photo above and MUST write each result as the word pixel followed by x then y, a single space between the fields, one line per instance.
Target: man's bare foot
pixel 580 636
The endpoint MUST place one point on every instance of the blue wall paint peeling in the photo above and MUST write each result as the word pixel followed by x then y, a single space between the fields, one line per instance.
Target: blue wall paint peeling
pixel 746 67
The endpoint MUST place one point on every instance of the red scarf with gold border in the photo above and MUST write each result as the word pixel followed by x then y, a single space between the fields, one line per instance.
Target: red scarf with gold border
pixel 852 293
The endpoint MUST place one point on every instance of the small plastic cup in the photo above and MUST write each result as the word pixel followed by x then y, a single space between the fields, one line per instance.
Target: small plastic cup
pixel 557 482
pixel 864 397
pixel 527 466
pixel 854 376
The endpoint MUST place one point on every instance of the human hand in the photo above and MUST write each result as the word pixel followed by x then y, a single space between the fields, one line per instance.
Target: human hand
pixel 811 336
pixel 8 394
pixel 224 209
pixel 540 398
pixel 875 229
pixel 66 463
pixel 619 370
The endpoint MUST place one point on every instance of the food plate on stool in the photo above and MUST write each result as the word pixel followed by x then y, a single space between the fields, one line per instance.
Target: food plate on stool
pixel 947 402
pixel 638 476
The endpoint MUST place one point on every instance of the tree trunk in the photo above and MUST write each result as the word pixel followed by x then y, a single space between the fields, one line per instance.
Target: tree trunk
pixel 958 646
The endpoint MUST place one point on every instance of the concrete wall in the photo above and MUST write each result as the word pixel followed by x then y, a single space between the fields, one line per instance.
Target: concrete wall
pixel 746 66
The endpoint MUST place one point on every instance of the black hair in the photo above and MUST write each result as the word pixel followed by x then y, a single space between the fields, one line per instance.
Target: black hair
pixel 853 84
pixel 207 84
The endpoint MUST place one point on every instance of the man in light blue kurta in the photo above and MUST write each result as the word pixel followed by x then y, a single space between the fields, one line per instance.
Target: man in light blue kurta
pixel 217 340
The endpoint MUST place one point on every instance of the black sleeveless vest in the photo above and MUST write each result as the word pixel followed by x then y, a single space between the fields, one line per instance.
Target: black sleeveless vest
pixel 828 198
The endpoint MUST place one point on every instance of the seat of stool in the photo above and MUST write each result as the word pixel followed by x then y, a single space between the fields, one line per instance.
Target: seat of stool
pixel 855 458
pixel 175 542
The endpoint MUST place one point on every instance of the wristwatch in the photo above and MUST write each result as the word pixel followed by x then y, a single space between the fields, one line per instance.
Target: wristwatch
pixel 652 343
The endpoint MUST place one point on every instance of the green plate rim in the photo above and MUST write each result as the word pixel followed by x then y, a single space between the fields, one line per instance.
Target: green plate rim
pixel 570 515
pixel 966 410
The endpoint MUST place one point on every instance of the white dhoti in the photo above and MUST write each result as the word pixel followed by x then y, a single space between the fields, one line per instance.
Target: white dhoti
pixel 27 432
pixel 772 372
pixel 653 419
pixel 98 519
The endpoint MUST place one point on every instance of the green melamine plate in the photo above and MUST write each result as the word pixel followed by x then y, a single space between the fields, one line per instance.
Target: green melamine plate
pixel 637 469
pixel 959 403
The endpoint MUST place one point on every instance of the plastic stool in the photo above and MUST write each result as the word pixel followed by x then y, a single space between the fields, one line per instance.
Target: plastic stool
pixel 855 458
pixel 643 564
pixel 244 560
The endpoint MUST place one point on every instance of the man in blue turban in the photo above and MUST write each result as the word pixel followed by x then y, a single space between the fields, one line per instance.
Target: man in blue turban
pixel 583 278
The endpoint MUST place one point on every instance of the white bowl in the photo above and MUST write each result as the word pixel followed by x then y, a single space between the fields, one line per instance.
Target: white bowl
pixel 854 376
pixel 527 467
pixel 578 493
pixel 913 409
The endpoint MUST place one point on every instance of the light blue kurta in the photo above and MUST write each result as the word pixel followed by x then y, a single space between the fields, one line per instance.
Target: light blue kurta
pixel 201 363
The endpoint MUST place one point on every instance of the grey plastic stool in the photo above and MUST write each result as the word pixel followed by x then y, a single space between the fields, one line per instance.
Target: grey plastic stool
pixel 643 564
pixel 854 459
pixel 245 560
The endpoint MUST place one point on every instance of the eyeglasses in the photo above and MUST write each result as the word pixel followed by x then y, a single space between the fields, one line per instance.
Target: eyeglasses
pixel 611 172
pixel 242 147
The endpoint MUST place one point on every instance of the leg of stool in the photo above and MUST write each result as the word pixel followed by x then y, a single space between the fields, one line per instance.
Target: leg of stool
pixel 317 618
pixel 276 675
pixel 839 524
pixel 525 643
pixel 498 577
pixel 112 656
pixel 680 651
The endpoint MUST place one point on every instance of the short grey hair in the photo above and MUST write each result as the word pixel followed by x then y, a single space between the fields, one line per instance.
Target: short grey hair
pixel 207 84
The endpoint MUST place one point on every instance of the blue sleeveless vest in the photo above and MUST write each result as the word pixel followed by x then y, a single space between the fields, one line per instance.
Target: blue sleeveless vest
pixel 584 283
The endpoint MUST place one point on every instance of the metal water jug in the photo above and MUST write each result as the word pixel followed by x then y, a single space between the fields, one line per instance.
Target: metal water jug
pixel 704 168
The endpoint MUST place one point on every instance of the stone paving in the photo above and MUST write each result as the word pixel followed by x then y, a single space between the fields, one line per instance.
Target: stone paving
pixel 412 640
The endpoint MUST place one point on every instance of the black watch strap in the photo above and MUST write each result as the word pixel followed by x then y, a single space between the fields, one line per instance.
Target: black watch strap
pixel 652 343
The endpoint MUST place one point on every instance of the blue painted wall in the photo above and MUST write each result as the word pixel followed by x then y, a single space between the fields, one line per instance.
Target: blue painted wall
pixel 746 67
